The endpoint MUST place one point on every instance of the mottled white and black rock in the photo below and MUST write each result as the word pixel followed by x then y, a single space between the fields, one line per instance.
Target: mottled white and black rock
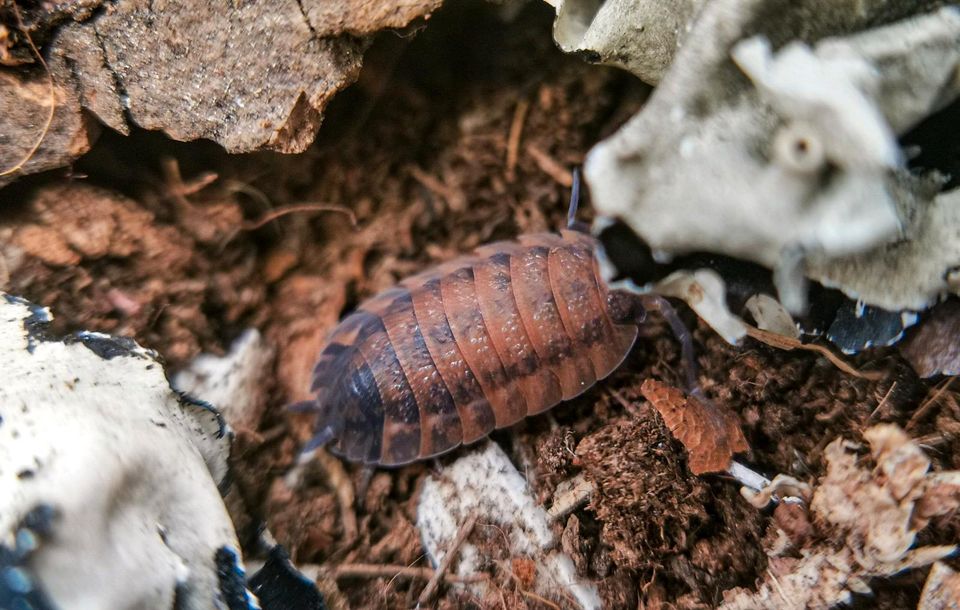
pixel 108 478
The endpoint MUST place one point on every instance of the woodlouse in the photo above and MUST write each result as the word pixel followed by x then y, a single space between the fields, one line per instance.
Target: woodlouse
pixel 471 345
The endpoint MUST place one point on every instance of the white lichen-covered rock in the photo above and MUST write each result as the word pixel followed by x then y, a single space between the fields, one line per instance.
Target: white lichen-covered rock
pixel 108 478
pixel 234 382
pixel 484 483
pixel 641 36
pixel 909 273
pixel 773 138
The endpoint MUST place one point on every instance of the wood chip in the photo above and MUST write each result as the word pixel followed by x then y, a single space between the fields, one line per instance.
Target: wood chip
pixel 710 434
pixel 570 495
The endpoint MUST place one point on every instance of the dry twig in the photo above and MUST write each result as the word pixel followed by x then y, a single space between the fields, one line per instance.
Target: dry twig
pixel 928 404
pixel 882 403
pixel 370 570
pixel 447 560
pixel 177 188
pixel 300 207
pixel 513 140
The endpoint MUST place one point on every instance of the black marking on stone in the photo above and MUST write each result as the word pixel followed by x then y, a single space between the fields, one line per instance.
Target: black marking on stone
pixel 181 594
pixel 279 585
pixel 186 399
pixel 231 580
pixel 18 587
pixel 223 432
pixel 40 519
pixel 858 327
pixel 35 324
pixel 106 347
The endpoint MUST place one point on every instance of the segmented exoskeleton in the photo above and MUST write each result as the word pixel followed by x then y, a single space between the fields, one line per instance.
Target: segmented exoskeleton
pixel 474 344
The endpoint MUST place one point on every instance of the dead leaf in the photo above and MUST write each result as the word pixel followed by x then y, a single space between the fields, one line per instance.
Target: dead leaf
pixel 710 434
pixel 934 348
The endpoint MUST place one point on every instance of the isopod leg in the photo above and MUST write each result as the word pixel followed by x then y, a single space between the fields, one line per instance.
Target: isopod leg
pixel 320 438
pixel 683 335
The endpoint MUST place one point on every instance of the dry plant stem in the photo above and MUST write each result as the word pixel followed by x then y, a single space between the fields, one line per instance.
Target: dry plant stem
pixel 537 598
pixel 53 96
pixel 297 208
pixel 788 344
pixel 447 561
pixel 882 402
pixel 513 140
pixel 455 199
pixel 683 335
pixel 370 570
pixel 928 404
pixel 550 166
pixel 340 481
pixel 179 189
pixel 627 405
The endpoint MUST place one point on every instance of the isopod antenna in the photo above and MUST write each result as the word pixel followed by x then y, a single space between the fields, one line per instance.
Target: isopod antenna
pixel 572 223
pixel 683 335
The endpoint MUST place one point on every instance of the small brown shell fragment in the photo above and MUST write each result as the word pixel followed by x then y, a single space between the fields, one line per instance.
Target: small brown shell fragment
pixel 710 434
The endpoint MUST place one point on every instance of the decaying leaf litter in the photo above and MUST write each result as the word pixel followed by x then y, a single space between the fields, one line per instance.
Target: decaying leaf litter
pixel 432 156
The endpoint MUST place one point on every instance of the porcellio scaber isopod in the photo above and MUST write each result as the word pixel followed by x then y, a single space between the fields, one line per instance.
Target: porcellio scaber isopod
pixel 474 344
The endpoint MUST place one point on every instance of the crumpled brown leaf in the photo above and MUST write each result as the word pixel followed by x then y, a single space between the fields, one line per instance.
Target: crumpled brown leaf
pixel 710 434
